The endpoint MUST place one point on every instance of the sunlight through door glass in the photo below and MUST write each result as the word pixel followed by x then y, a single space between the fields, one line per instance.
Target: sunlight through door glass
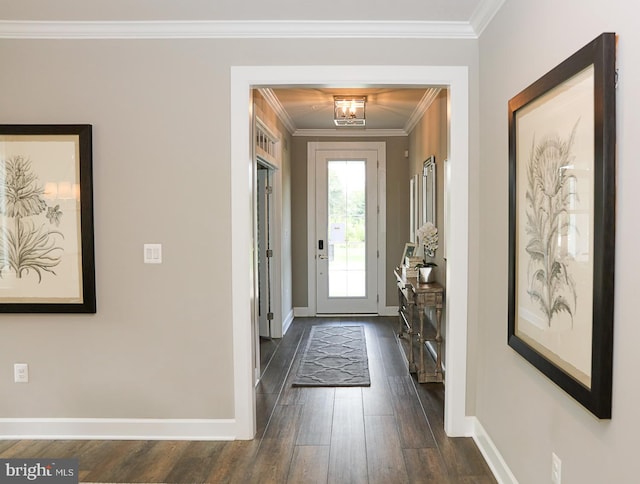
pixel 347 229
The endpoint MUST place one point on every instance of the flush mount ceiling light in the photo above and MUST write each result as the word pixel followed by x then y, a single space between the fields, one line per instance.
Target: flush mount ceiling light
pixel 349 110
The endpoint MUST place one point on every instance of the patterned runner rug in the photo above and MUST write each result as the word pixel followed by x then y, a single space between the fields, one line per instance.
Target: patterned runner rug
pixel 335 356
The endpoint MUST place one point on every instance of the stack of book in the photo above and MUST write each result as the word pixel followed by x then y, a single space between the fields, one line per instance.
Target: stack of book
pixel 411 265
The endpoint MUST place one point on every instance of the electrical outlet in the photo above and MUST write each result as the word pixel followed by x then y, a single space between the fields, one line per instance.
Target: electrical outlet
pixel 21 373
pixel 556 469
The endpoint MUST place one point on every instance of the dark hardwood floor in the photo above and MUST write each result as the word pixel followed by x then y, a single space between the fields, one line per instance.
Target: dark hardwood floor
pixel 390 432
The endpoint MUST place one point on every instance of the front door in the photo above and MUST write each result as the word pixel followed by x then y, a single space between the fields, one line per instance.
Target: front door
pixel 346 231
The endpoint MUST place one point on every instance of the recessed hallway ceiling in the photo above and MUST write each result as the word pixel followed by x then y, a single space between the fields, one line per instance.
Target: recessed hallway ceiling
pixel 390 108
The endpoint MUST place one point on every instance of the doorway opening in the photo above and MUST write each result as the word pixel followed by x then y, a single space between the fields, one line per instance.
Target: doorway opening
pixel 243 80
pixel 265 345
pixel 267 219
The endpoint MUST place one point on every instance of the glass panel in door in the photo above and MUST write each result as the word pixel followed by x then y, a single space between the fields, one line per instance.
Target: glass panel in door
pixel 347 228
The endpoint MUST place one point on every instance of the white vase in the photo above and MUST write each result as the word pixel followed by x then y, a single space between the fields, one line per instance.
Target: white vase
pixel 426 274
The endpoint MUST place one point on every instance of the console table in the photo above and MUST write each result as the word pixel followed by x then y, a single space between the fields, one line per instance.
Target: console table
pixel 414 297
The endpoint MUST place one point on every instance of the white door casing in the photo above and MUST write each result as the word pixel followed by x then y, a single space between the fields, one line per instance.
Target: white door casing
pixel 242 80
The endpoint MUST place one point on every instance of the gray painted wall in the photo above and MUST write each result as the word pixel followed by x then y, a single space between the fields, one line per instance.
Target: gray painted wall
pixel 431 137
pixel 527 416
pixel 160 345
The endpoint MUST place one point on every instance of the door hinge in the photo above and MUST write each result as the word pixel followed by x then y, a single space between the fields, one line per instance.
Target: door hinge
pixel 378 253
pixel 269 316
pixel 269 253
pixel 377 297
pixel 268 190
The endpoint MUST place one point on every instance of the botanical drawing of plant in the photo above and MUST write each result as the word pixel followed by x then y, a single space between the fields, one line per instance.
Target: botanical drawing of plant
pixel 27 246
pixel 548 197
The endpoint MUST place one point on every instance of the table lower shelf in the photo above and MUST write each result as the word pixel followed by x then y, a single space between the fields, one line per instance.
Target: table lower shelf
pixel 430 374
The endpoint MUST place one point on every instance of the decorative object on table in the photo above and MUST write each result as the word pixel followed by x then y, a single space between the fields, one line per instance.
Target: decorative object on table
pixel 428 238
pixel 412 264
pixel 413 261
pixel 426 273
pixel 46 208
pixel 334 356
pixel 562 132
pixel 409 251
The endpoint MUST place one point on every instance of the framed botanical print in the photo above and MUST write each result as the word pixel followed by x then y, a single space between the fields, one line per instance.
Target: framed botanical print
pixel 562 223
pixel 46 219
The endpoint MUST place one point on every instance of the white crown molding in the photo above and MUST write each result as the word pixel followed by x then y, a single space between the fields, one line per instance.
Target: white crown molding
pixel 483 14
pixel 214 29
pixel 273 101
pixel 350 133
pixel 426 101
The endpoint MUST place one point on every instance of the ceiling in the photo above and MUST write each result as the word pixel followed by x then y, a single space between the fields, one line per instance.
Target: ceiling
pixel 389 110
pixel 392 109
pixel 202 10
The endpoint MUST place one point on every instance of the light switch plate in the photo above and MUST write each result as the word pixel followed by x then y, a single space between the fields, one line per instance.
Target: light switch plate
pixel 153 253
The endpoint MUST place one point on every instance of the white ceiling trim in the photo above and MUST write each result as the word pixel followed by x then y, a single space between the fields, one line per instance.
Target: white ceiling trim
pixel 214 29
pixel 350 132
pixel 278 108
pixel 483 14
pixel 426 101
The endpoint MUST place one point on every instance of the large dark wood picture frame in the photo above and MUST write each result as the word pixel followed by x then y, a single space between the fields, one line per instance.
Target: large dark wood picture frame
pixel 47 260
pixel 562 143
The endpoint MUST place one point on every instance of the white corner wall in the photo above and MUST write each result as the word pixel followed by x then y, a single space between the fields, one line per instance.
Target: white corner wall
pixel 524 413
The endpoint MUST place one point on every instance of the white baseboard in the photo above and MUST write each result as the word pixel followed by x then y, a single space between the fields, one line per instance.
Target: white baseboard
pixel 492 455
pixel 306 313
pixel 116 429
pixel 287 322
pixel 389 311
pixel 302 313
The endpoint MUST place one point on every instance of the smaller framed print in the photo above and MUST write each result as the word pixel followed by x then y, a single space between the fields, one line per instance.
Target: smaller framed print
pixel 409 251
pixel 562 138
pixel 46 219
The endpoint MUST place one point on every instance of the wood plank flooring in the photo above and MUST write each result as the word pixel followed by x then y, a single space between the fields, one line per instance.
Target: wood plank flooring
pixel 391 432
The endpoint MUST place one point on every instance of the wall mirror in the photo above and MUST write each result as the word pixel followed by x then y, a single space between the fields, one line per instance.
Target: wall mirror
pixel 429 191
pixel 413 207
